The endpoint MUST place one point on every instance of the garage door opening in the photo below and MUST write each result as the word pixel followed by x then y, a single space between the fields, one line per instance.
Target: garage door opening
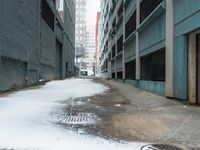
pixel 153 66
pixel 130 70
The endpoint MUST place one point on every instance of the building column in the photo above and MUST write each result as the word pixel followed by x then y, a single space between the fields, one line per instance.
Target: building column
pixel 137 40
pixel 169 48
pixel 123 57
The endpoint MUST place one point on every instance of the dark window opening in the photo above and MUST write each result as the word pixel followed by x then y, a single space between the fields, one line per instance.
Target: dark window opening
pixel 109 57
pixel 114 28
pixel 120 75
pixel 130 70
pixel 47 14
pixel 153 66
pixel 54 1
pixel 120 44
pixel 113 75
pixel 105 65
pixel 147 7
pixel 113 51
pixel 120 11
pixel 130 25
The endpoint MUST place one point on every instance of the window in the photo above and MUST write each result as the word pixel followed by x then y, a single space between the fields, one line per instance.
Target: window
pixel 120 75
pixel 120 44
pixel 113 75
pixel 130 25
pixel 47 14
pixel 147 7
pixel 109 57
pixel 120 11
pixel 113 51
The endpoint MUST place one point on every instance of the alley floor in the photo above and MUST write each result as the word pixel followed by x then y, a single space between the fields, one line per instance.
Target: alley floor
pixel 95 114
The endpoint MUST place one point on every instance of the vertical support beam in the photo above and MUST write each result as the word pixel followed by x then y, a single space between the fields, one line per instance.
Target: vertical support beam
pixel 64 49
pixel 137 40
pixel 123 57
pixel 192 69
pixel 39 9
pixel 1 28
pixel 169 47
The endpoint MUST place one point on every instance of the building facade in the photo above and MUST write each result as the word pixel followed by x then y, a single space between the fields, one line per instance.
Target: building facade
pixel 80 32
pixel 97 64
pixel 34 43
pixel 153 44
pixel 90 49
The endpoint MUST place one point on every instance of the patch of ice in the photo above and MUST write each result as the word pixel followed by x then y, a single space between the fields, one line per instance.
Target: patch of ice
pixel 25 120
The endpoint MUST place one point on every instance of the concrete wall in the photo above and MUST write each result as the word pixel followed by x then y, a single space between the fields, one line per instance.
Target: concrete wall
pixel 28 45
pixel 69 25
pixel 186 20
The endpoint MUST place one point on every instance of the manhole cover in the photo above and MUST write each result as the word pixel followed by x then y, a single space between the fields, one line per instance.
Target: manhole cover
pixel 160 147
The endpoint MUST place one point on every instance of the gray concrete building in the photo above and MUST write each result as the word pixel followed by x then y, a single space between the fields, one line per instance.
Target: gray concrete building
pixel 34 43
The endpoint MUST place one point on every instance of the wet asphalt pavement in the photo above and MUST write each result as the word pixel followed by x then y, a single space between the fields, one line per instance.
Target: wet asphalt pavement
pixel 125 113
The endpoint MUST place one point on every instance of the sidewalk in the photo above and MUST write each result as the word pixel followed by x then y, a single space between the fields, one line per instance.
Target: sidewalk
pixel 151 118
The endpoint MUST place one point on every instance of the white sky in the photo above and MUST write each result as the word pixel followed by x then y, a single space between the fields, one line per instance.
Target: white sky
pixel 93 6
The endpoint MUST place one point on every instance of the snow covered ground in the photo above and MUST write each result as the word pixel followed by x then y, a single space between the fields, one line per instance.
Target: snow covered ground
pixel 26 120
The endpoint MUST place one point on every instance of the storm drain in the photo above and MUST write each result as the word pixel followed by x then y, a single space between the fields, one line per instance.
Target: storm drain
pixel 81 118
pixel 76 119
pixel 160 147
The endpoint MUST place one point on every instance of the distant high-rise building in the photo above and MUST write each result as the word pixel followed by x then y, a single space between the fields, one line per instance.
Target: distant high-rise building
pixel 60 8
pixel 80 32
pixel 97 65
pixel 90 49
pixel 80 27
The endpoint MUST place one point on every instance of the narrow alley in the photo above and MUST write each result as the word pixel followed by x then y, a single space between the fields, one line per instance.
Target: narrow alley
pixel 95 114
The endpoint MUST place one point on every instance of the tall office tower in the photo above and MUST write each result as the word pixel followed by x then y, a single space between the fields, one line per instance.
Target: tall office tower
pixel 90 49
pixel 80 32
pixel 97 64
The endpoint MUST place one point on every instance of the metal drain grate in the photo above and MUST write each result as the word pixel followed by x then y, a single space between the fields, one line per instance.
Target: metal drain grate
pixel 80 118
pixel 160 147
pixel 76 119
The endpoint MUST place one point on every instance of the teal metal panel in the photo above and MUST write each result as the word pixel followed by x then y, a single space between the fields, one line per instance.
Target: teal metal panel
pixel 129 9
pixel 120 30
pixel 119 63
pixel 184 9
pixel 153 48
pixel 153 34
pixel 131 82
pixel 180 68
pixel 150 86
pixel 130 49
pixel 153 87
pixel 188 24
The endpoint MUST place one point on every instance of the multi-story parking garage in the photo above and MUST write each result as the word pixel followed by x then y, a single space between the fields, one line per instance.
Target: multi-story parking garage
pixel 152 44
pixel 34 43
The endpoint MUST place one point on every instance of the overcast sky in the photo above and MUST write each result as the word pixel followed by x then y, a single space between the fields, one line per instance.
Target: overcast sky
pixel 92 7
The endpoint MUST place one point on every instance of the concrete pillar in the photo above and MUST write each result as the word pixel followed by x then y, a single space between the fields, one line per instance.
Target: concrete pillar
pixel 123 58
pixel 137 40
pixel 39 36
pixel 64 49
pixel 192 69
pixel 169 47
